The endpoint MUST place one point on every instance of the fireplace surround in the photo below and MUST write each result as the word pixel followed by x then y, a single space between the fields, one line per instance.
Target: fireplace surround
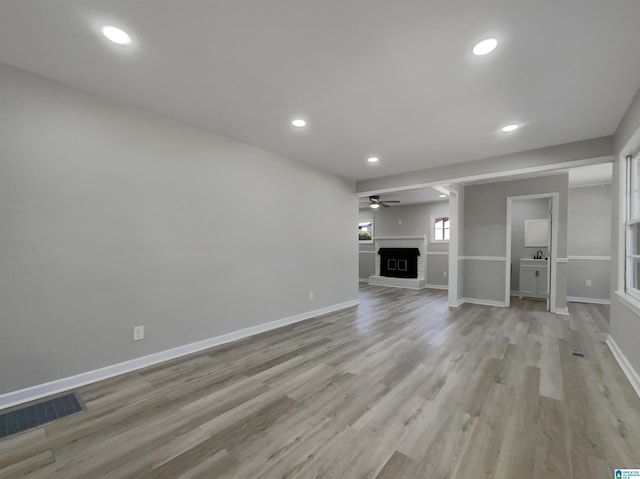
pixel 400 278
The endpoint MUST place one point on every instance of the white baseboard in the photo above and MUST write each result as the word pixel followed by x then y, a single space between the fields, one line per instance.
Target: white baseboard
pixel 363 280
pixel 82 379
pixel 437 286
pixel 578 299
pixel 562 311
pixel 625 365
pixel 484 302
pixel 457 303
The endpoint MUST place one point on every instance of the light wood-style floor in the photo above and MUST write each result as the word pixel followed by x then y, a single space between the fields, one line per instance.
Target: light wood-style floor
pixel 399 387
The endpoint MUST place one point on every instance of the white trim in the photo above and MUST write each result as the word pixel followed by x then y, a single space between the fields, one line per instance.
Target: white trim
pixel 443 189
pixel 588 185
pixel 399 238
pixel 457 303
pixel 589 258
pixel 628 170
pixel 373 231
pixel 432 229
pixel 366 252
pixel 552 271
pixel 578 299
pixel 629 149
pixel 562 311
pixel 561 260
pixel 60 385
pixel 438 253
pixel 550 168
pixel 436 286
pixel 363 280
pixel 484 258
pixel 629 302
pixel 622 219
pixel 485 302
pixel 625 365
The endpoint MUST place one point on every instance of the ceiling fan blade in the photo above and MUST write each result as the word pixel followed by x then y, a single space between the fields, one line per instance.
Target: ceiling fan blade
pixel 384 204
pixel 391 201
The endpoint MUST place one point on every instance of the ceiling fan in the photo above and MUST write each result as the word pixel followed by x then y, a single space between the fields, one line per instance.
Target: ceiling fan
pixel 376 202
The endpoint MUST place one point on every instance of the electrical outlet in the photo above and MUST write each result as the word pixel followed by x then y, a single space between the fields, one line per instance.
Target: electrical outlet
pixel 138 333
pixel 310 295
pixel 587 282
pixel 444 273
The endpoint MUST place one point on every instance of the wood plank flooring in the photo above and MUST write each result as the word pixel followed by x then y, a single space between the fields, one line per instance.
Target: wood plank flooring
pixel 399 387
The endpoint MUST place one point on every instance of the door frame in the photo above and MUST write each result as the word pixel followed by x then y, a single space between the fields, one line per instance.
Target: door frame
pixel 555 200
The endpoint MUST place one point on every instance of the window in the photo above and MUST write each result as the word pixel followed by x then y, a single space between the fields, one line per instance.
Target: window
pixel 632 249
pixel 365 231
pixel 440 229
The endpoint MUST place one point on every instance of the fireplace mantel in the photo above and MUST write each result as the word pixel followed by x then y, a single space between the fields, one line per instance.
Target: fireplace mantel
pixel 422 238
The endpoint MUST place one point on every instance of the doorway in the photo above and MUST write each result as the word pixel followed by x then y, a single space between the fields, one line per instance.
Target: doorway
pixel 532 237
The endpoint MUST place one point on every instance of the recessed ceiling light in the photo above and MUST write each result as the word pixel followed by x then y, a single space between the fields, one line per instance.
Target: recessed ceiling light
pixel 298 123
pixel 485 46
pixel 116 35
pixel 443 196
pixel 373 159
pixel 509 128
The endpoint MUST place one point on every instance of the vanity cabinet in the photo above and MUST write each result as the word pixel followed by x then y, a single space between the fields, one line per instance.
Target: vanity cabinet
pixel 533 278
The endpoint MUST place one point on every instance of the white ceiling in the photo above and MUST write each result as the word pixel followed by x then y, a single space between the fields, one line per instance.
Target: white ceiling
pixel 408 197
pixel 392 78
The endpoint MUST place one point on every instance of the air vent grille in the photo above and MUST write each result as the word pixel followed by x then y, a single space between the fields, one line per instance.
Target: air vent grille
pixel 35 415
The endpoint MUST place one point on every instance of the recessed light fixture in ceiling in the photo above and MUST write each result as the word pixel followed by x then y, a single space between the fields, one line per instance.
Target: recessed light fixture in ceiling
pixel 510 128
pixel 299 123
pixel 116 35
pixel 485 46
pixel 373 159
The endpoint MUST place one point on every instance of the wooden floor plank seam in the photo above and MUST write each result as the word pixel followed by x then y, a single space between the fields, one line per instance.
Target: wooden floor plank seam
pixel 401 386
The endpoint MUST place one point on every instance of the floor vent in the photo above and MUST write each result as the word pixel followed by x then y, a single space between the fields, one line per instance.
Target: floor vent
pixel 578 353
pixel 38 414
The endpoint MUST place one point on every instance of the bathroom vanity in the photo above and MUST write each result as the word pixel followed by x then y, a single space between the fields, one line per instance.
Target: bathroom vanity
pixel 533 278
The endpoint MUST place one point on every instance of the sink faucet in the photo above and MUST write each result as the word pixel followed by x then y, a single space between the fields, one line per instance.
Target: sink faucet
pixel 538 254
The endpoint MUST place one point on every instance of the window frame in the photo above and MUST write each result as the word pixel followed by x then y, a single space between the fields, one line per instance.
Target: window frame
pixel 632 185
pixel 432 229
pixel 367 220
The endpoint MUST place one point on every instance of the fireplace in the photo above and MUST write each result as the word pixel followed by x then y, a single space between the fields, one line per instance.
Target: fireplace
pixel 409 274
pixel 399 262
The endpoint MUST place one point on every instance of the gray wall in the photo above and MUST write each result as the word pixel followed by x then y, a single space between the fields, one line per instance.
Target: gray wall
pixel 408 220
pixel 589 234
pixel 625 324
pixel 112 217
pixel 484 233
pixel 521 211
